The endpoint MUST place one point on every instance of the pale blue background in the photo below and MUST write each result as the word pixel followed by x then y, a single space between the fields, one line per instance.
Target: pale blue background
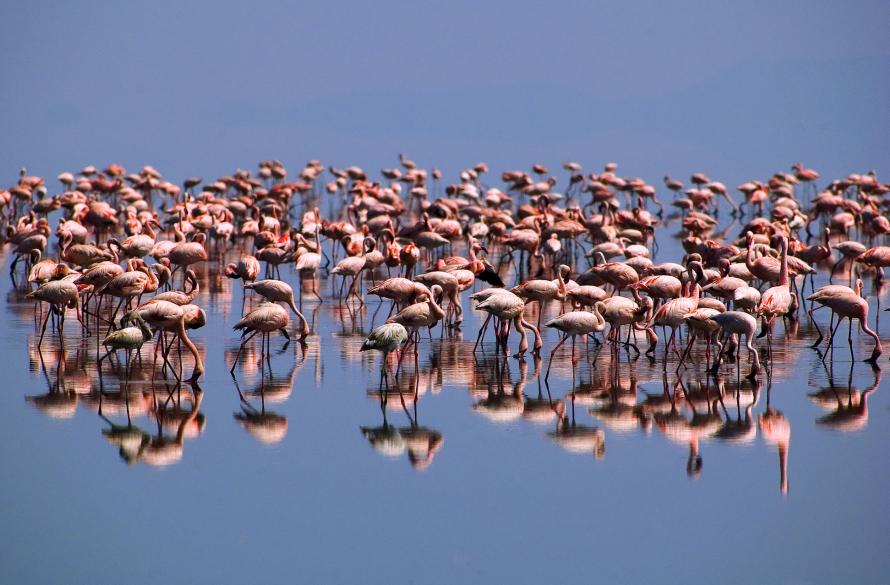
pixel 739 89
pixel 735 89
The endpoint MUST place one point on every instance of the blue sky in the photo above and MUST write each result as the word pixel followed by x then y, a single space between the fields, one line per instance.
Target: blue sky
pixel 734 89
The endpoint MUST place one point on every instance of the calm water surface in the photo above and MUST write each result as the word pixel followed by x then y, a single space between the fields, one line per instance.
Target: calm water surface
pixel 307 469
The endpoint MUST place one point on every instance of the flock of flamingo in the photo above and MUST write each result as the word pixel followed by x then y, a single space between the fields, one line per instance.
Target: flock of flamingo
pixel 127 255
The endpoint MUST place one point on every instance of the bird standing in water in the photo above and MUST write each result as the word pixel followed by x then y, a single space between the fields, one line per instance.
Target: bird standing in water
pixel 265 319
pixel 129 338
pixel 279 291
pixel 386 338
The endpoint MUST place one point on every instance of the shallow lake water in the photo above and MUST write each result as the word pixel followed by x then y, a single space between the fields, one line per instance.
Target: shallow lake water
pixel 306 467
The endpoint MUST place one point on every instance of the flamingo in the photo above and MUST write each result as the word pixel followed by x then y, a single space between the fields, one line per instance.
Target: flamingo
pixel 274 256
pixel 850 250
pixel 181 297
pixel 673 313
pixel 60 295
pixel 847 304
pixel 399 290
pixel 128 338
pixel 247 269
pixel 766 268
pixel 619 311
pixel 168 317
pixel 82 255
pixel 350 266
pixel 96 277
pixel 509 307
pixel 138 245
pixel 586 295
pixel 777 300
pixel 543 291
pixel 660 286
pixel 45 270
pixel 266 319
pixel 746 298
pixel 725 285
pixel 128 285
pixel 309 263
pixel 374 258
pixel 877 258
pixel 734 324
pixel 426 312
pixel 524 240
pixel 576 323
pixel 450 286
pixel 618 274
pixel 480 297
pixel 26 249
pixel 409 255
pixel 386 338
pixel 829 290
pixel 280 292
pixel 700 321
pixel 185 254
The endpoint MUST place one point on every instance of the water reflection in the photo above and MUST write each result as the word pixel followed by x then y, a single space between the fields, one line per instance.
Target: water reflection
pixel 177 417
pixel 265 425
pixel 59 401
pixel 848 406
pixel 591 398
pixel 776 430
pixel 575 437
pixel 687 411
pixel 171 412
pixel 420 442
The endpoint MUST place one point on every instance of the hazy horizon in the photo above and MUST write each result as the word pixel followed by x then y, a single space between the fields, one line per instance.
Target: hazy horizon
pixel 736 91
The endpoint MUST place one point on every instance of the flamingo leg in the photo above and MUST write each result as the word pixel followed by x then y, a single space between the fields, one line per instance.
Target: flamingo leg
pixel 241 347
pixel 667 346
pixel 834 268
pixel 717 359
pixel 481 332
pixel 831 340
pixel 627 342
pixel 686 352
pixel 810 312
pixel 523 340
pixel 315 287
pixel 43 329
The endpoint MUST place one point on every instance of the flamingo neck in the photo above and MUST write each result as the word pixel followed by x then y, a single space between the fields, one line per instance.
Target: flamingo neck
pixel 66 243
pixel 435 308
pixel 152 277
pixel 193 292
pixel 598 317
pixel 146 331
pixel 293 305
pixel 783 271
